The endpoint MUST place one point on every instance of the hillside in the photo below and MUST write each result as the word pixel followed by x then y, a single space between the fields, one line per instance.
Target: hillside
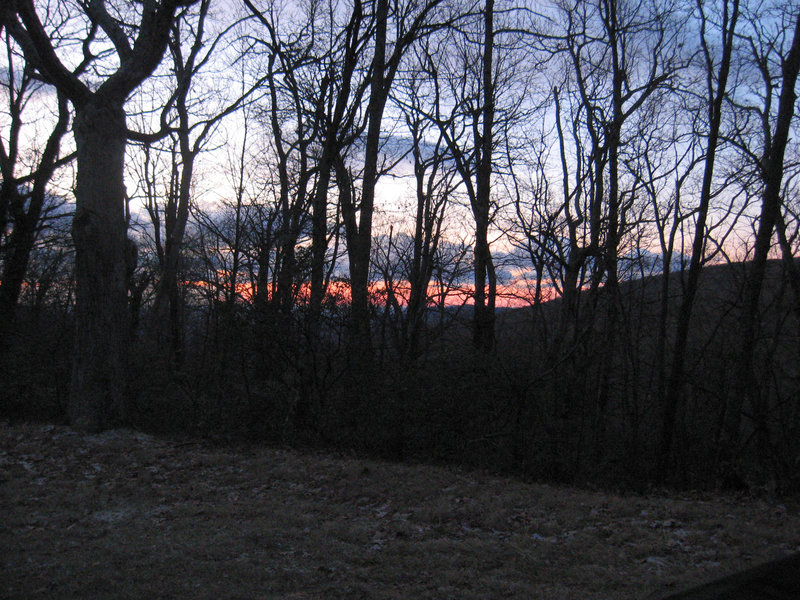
pixel 719 290
pixel 126 515
pixel 594 388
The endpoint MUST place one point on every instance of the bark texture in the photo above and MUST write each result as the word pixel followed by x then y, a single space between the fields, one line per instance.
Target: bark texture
pixel 98 394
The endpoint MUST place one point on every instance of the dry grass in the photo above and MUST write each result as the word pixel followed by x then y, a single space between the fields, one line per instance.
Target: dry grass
pixel 125 515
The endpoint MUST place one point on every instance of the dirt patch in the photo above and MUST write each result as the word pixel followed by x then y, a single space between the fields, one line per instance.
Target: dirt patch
pixel 126 515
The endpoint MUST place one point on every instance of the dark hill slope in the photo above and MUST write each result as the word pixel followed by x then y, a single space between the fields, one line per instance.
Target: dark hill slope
pixel 592 387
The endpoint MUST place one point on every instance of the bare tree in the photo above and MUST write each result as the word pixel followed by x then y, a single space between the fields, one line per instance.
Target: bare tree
pixel 717 70
pixel 466 84
pixel 295 119
pixel 411 21
pixel 338 102
pixel 136 37
pixel 483 336
pixel 188 120
pixel 772 167
pixel 435 180
pixel 23 195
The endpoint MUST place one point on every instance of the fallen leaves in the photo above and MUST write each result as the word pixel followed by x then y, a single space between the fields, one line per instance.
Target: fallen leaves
pixel 184 519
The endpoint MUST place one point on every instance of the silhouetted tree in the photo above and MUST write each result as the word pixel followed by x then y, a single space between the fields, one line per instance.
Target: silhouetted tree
pixel 136 36
pixel 717 71
pixel 23 195
pixel 772 168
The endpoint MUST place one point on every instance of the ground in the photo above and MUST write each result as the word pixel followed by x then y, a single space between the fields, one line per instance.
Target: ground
pixel 127 515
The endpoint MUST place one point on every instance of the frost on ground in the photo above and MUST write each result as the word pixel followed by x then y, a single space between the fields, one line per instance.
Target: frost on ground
pixel 126 515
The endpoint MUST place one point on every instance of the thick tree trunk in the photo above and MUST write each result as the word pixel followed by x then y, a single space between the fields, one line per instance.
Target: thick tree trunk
pixel 102 321
pixel 99 374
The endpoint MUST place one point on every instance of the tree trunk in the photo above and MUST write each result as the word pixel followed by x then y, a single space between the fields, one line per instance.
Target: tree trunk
pixel 102 321
pixel 319 239
pixel 426 235
pixel 18 251
pixel 359 239
pixel 360 343
pixel 674 392
pixel 483 335
pixel 330 149
pixel 99 375
pixel 168 304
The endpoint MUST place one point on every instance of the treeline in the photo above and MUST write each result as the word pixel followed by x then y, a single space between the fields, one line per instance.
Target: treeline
pixel 300 223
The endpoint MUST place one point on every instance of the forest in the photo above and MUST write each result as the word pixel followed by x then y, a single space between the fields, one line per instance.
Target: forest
pixel 554 239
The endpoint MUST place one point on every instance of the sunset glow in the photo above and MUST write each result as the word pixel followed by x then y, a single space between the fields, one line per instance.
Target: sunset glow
pixel 518 294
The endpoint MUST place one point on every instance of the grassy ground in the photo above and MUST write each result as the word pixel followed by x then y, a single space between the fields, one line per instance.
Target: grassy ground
pixel 125 515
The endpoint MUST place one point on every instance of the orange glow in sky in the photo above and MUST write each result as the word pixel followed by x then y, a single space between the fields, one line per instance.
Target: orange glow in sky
pixel 515 295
